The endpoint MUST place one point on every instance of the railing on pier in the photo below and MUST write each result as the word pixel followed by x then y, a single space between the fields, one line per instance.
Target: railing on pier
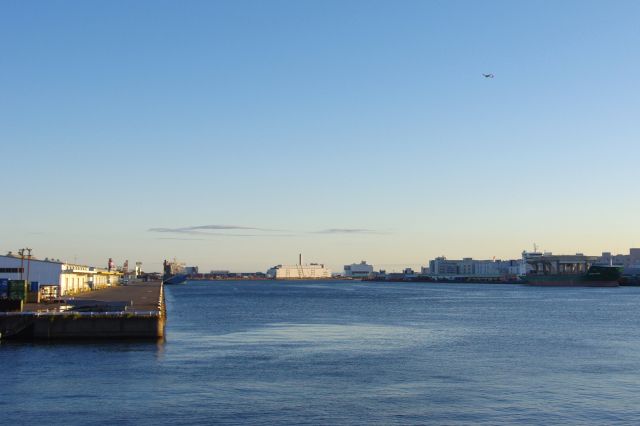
pixel 118 314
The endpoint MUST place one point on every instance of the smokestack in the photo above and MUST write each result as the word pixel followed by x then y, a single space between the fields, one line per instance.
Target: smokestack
pixel 300 259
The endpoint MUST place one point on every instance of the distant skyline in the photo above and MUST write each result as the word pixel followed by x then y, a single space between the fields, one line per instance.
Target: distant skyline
pixel 237 134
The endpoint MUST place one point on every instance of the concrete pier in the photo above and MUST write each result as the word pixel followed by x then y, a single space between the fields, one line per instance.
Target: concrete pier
pixel 135 311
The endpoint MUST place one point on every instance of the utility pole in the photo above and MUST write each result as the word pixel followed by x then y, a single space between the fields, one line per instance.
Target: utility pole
pixel 28 263
pixel 21 253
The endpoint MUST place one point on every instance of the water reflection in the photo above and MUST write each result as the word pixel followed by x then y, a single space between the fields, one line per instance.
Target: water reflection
pixel 278 353
pixel 288 339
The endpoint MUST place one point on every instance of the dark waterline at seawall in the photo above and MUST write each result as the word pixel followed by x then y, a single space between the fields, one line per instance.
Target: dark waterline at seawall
pixel 348 353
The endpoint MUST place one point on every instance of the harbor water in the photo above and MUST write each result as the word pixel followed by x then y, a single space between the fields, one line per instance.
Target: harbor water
pixel 265 352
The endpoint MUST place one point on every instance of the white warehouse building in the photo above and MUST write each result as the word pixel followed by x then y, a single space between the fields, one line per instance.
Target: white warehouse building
pixel 67 278
pixel 313 271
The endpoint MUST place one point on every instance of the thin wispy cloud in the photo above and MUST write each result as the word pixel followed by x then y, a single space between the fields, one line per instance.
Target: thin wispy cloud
pixel 200 228
pixel 228 231
pixel 206 230
pixel 173 230
pixel 231 227
pixel 180 239
pixel 350 231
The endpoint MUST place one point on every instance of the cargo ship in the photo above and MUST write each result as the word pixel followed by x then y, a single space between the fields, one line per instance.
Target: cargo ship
pixel 571 271
pixel 173 272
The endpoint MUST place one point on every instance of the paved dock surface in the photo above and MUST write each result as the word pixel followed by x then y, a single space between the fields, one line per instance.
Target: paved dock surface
pixel 134 311
pixel 143 296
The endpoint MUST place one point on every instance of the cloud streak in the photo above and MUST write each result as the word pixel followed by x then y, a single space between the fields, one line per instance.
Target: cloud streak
pixel 206 230
pixel 202 229
pixel 230 227
pixel 348 231
pixel 180 239
pixel 228 231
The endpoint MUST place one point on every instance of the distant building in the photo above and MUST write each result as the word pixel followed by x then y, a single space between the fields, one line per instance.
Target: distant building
pixel 409 273
pixel 631 260
pixel 358 270
pixel 190 270
pixel 468 267
pixel 61 278
pixel 299 271
pixel 441 266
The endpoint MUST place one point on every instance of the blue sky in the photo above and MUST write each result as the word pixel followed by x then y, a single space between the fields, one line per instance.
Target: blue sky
pixel 347 130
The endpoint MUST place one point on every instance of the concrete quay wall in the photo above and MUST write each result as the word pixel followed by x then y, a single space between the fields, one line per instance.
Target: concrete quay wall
pixel 38 324
pixel 99 327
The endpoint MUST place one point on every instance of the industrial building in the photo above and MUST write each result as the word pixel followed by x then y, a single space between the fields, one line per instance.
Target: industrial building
pixel 312 271
pixel 468 267
pixel 358 270
pixel 631 260
pixel 190 270
pixel 54 277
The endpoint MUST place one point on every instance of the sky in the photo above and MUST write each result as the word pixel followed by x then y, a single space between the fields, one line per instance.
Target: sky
pixel 237 134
